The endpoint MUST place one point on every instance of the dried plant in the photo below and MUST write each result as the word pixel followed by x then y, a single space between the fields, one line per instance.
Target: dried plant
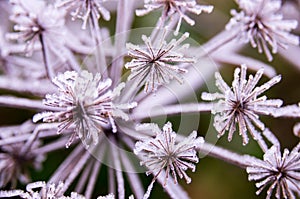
pixel 95 99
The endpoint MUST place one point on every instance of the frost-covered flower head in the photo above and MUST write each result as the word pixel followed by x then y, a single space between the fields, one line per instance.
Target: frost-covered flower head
pixel 41 190
pixel 16 158
pixel 163 152
pixel 175 7
pixel 36 22
pixel 157 65
pixel 261 24
pixel 109 196
pixel 83 100
pixel 85 9
pixel 241 104
pixel 279 172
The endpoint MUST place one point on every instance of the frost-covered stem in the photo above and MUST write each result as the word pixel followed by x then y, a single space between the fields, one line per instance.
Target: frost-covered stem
pixel 218 41
pixel 138 135
pixel 161 24
pixel 49 70
pixel 111 180
pixel 57 144
pixel 118 170
pixel 124 20
pixel 173 109
pixel 20 48
pixel 26 147
pixel 174 190
pixel 62 170
pixel 158 26
pixel 130 90
pixel 75 172
pixel 251 63
pixel 14 139
pixel 291 55
pixel 84 177
pixel 222 154
pixel 72 61
pixel 101 66
pixel 95 170
pixel 134 180
pixel 22 138
pixel 24 62
pixel 24 103
pixel 36 87
pixel 92 179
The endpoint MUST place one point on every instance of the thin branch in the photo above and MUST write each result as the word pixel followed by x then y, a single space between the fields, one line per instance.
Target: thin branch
pixel 62 170
pixel 111 181
pixel 174 190
pixel 124 20
pixel 222 154
pixel 219 41
pixel 173 109
pixel 118 170
pixel 24 103
pixel 75 171
pixel 84 177
pixel 57 144
pixel 92 179
pixel 35 87
pixel 101 65
pixel 236 59
pixel 131 172
pixel 49 70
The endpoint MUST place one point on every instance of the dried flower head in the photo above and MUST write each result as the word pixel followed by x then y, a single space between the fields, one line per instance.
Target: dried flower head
pixel 16 158
pixel 85 9
pixel 241 104
pixel 84 100
pixel 280 172
pixel 36 22
pixel 154 66
pixel 175 7
pixel 262 25
pixel 163 152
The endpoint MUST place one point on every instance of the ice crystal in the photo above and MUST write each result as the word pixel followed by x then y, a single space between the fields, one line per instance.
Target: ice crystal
pixel 154 66
pixel 36 22
pixel 175 7
pixel 163 152
pixel 261 23
pixel 241 104
pixel 85 9
pixel 280 172
pixel 84 100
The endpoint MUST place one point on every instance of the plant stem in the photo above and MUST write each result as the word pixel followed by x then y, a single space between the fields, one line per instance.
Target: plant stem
pixel 101 65
pixel 222 154
pixel 218 41
pixel 24 103
pixel 50 72
pixel 36 87
pixel 173 109
pixel 124 20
